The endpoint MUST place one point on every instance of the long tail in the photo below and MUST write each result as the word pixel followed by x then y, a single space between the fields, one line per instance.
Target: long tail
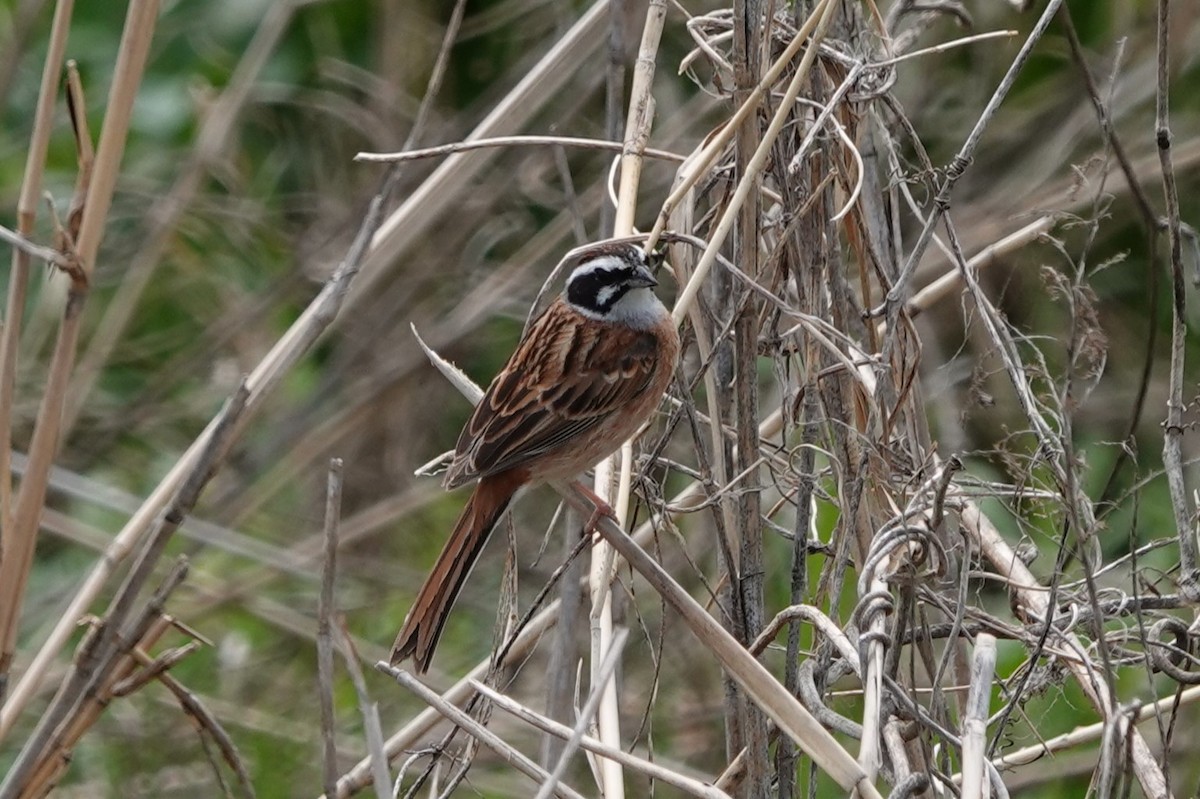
pixel 423 626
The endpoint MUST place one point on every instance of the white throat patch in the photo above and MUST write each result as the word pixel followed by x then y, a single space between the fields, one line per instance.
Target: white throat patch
pixel 639 309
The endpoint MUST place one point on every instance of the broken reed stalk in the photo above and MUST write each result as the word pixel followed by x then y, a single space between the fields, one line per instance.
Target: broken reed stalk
pixel 115 629
pixel 602 678
pixel 974 733
pixel 331 633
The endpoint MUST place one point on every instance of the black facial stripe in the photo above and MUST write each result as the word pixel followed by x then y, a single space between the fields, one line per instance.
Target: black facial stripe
pixel 598 290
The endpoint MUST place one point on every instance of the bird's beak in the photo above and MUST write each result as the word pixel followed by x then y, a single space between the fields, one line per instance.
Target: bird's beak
pixel 642 278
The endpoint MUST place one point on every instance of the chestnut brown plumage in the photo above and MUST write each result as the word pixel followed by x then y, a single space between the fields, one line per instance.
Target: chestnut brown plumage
pixel 584 377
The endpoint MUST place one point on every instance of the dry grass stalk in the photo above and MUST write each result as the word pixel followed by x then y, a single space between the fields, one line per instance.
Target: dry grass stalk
pixel 650 769
pixel 27 202
pixel 974 734
pixel 325 611
pixel 21 533
pixel 477 730
pixel 637 134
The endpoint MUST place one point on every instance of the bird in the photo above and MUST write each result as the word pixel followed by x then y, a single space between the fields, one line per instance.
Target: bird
pixel 586 374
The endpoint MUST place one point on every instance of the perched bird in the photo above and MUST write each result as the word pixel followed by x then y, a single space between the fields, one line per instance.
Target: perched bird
pixel 589 370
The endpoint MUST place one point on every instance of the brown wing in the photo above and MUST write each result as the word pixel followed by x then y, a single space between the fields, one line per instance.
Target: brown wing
pixel 568 375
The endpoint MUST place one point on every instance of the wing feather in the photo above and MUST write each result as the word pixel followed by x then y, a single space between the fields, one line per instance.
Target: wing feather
pixel 568 375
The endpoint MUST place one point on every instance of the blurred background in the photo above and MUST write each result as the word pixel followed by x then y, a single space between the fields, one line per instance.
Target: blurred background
pixel 239 194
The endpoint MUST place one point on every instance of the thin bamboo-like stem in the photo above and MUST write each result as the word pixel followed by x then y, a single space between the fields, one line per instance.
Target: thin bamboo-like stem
pixel 974 734
pixel 477 730
pixel 637 134
pixel 14 569
pixel 650 769
pixel 740 401
pixel 1185 524
pixel 325 611
pixel 18 283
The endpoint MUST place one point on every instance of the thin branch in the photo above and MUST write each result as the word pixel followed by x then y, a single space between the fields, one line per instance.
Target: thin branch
pixel 650 769
pixel 511 141
pixel 325 610
pixel 475 729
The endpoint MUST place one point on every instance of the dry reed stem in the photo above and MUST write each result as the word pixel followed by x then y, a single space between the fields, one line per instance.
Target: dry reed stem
pixel 325 611
pixel 1185 520
pixel 18 284
pixel 650 769
pixel 47 752
pixel 380 777
pixel 31 249
pixel 700 162
pixel 602 678
pixel 747 181
pixel 14 569
pixel 110 638
pixel 475 729
pixel 974 734
pixel 510 141
pixel 638 125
